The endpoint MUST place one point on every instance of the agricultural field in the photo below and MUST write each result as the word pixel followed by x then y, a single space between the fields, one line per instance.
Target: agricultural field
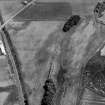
pixel 52 66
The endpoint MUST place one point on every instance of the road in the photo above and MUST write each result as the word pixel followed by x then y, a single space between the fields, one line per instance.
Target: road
pixel 15 70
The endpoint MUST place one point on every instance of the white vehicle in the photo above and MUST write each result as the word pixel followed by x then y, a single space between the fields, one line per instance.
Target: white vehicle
pixel 2 49
pixel 26 2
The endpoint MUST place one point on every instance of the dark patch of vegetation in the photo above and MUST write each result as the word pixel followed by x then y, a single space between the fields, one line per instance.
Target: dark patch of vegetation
pixel 100 7
pixel 50 91
pixel 72 21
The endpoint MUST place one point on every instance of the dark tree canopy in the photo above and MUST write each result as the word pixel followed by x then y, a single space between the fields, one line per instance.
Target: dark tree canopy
pixel 72 21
